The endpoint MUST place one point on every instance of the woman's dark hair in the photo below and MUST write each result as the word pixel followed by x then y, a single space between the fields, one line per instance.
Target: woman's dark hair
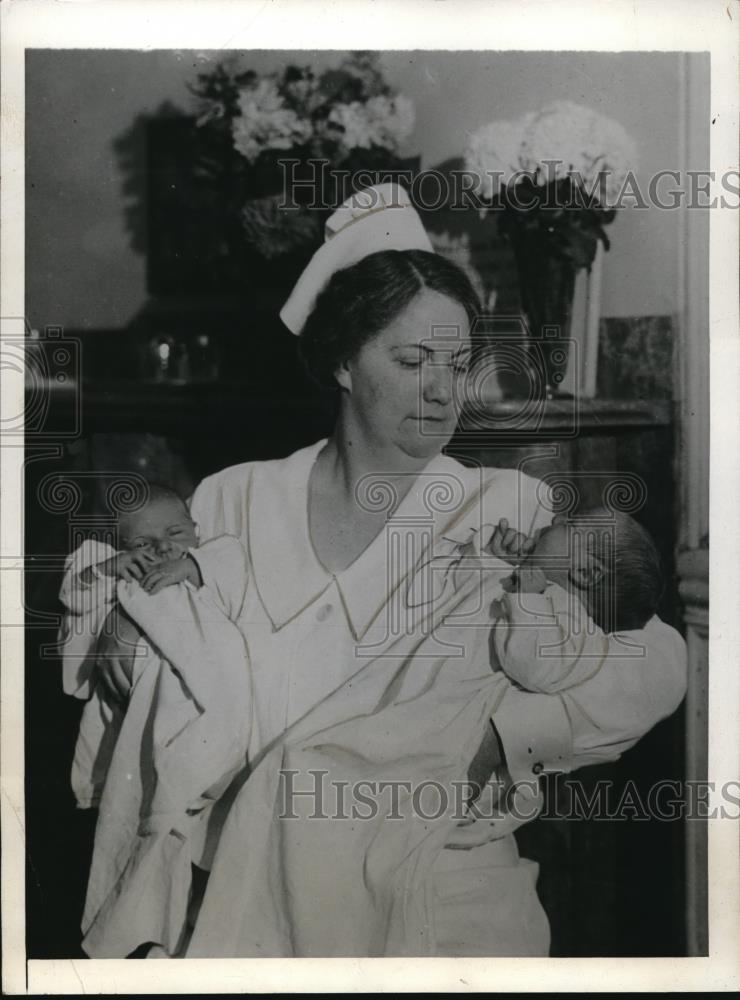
pixel 359 301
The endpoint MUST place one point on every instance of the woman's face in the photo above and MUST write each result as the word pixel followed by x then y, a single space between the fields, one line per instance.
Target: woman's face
pixel 405 385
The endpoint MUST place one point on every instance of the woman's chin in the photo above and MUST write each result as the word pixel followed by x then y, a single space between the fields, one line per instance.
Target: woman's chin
pixel 427 439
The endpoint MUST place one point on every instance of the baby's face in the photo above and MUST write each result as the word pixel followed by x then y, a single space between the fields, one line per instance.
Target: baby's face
pixel 553 553
pixel 163 527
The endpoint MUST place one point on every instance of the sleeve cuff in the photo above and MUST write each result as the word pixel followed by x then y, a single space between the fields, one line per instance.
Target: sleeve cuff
pixel 535 733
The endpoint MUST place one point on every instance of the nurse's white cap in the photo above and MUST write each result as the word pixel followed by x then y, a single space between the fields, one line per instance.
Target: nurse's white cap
pixel 376 218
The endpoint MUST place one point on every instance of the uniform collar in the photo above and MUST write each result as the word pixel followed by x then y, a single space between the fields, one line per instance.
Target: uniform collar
pixel 287 572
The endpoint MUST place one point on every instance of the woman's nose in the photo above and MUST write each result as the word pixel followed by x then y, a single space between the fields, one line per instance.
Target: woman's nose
pixel 438 386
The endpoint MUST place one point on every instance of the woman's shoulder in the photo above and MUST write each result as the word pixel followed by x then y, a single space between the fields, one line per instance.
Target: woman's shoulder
pixel 232 479
pixel 516 479
pixel 230 475
pixel 511 493
pixel 235 480
pixel 495 479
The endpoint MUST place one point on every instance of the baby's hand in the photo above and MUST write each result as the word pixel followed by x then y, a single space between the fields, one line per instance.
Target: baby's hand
pixel 125 566
pixel 510 545
pixel 529 580
pixel 170 572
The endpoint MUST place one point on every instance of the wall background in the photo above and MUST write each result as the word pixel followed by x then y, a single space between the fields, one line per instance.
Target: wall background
pixel 81 272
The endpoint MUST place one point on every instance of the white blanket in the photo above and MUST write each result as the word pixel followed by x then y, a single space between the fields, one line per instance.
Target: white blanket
pixel 166 760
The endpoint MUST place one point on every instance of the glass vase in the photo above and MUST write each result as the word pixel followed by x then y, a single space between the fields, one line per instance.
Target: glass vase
pixel 546 287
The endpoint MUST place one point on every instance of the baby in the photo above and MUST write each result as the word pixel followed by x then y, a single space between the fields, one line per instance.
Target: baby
pixel 155 543
pixel 160 532
pixel 162 738
pixel 584 581
pixel 579 588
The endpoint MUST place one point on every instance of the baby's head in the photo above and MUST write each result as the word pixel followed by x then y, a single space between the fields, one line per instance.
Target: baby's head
pixel 163 525
pixel 609 561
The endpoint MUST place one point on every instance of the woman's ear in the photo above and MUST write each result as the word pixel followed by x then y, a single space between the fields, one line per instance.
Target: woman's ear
pixel 344 377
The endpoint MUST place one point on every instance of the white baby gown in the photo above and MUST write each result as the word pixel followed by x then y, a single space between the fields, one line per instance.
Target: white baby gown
pixel 157 768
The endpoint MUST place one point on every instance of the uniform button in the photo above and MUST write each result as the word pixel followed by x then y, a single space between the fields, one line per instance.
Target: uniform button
pixel 537 769
pixel 323 613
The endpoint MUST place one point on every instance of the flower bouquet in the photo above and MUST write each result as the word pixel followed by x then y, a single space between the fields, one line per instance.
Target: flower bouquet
pixel 554 177
pixel 262 133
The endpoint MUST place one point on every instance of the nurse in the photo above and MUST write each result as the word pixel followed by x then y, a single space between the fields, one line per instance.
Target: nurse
pixel 363 627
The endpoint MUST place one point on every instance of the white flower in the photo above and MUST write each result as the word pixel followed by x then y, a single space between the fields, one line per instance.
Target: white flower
pixel 493 154
pixel 394 116
pixel 565 139
pixel 614 156
pixel 264 122
pixel 356 128
pixel 381 121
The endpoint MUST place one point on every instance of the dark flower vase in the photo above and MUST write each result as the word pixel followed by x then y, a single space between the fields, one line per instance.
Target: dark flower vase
pixel 546 286
pixel 554 230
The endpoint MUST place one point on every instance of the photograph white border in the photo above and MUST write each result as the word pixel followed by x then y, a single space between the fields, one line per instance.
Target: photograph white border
pixel 567 25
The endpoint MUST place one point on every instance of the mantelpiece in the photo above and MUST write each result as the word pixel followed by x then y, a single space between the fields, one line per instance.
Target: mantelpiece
pixel 109 406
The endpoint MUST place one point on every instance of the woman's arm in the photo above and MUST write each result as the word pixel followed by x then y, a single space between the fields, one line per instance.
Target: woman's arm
pixel 640 682
pixel 598 719
pixel 591 723
pixel 546 641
